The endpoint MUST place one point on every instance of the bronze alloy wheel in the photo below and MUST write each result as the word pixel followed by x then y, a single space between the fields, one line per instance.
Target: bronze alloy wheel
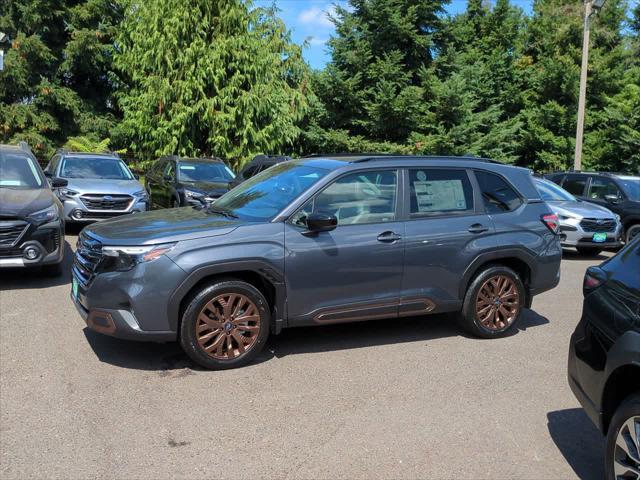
pixel 497 303
pixel 228 326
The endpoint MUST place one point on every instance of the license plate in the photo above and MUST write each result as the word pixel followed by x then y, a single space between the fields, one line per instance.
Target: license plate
pixel 599 237
pixel 74 288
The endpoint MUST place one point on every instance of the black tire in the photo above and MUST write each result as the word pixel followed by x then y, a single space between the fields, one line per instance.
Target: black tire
pixel 188 335
pixel 469 317
pixel 54 270
pixel 628 409
pixel 589 251
pixel 632 232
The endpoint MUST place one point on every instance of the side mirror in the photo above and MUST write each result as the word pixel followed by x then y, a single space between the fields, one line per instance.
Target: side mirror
pixel 57 182
pixel 611 198
pixel 48 174
pixel 321 222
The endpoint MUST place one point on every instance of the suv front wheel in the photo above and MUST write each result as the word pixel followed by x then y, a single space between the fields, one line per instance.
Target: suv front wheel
pixel 225 325
pixel 493 303
pixel 622 455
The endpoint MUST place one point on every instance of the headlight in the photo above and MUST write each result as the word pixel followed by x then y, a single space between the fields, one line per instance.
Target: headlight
pixel 567 217
pixel 193 195
pixel 66 192
pixel 121 259
pixel 142 195
pixel 49 214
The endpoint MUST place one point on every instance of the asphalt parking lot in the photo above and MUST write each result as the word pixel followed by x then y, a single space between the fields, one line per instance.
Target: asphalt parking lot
pixel 409 398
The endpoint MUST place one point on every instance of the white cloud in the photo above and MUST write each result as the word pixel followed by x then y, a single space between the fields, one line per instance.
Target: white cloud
pixel 317 41
pixel 316 17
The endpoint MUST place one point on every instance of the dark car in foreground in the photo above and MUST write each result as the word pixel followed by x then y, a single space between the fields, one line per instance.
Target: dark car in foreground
pixel 320 241
pixel 179 182
pixel 99 186
pixel 31 217
pixel 604 358
pixel 618 192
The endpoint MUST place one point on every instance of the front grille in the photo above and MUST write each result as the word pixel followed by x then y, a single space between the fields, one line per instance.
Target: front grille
pixel 11 231
pixel 11 253
pixel 99 201
pixel 598 225
pixel 100 215
pixel 88 255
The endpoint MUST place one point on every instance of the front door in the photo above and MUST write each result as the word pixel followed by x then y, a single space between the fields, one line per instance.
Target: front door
pixel 604 192
pixel 353 272
pixel 445 230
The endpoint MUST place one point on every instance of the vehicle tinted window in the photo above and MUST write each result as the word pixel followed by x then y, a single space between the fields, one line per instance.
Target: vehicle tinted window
pixel 169 171
pixel 250 172
pixel 497 194
pixel 631 186
pixel 95 167
pixel 53 164
pixel 19 171
pixel 601 187
pixel 550 192
pixel 438 192
pixel 574 184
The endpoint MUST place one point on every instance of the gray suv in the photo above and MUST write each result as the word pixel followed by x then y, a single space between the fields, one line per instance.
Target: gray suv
pixel 99 186
pixel 320 241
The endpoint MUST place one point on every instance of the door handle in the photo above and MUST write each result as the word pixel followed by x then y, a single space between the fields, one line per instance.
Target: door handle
pixel 388 237
pixel 478 228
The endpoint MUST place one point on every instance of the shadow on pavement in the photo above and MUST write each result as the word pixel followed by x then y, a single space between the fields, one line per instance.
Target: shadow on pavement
pixel 579 441
pixel 574 255
pixel 169 356
pixel 30 278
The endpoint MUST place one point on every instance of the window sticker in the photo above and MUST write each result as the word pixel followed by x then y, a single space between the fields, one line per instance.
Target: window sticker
pixel 440 195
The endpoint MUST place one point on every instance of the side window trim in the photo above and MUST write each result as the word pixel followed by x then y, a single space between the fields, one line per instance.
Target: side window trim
pixel 397 210
pixel 478 207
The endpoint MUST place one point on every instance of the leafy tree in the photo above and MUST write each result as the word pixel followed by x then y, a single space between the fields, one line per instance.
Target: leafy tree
pixel 56 82
pixel 213 78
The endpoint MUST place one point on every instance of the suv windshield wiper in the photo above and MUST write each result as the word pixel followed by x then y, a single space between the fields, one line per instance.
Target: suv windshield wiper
pixel 219 211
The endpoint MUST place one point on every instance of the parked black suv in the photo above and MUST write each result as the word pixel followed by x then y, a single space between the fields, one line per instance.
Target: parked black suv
pixel 319 241
pixel 257 165
pixel 31 216
pixel 179 182
pixel 617 192
pixel 604 358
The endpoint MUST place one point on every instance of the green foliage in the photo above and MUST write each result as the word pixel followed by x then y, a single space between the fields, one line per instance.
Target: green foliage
pixel 208 78
pixel 56 81
pixel 86 144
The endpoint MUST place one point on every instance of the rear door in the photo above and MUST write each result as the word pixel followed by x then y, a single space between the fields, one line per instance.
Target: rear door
pixel 576 185
pixel 446 227
pixel 152 181
pixel 167 184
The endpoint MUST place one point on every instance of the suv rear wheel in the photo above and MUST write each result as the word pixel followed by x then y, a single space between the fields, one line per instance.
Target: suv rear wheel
pixel 493 303
pixel 622 455
pixel 225 325
pixel 632 232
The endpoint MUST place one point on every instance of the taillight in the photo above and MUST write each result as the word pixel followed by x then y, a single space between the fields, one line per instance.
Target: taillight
pixel 593 278
pixel 551 221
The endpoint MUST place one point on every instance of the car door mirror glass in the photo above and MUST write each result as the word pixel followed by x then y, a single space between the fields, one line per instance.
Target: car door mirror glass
pixel 321 222
pixel 611 198
pixel 57 182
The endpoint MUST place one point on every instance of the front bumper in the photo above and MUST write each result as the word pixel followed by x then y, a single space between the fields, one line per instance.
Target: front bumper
pixel 47 240
pixel 573 235
pixel 76 211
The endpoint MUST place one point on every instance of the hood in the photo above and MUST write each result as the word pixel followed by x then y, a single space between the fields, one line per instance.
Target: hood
pixel 15 202
pixel 161 226
pixel 580 209
pixel 100 185
pixel 207 188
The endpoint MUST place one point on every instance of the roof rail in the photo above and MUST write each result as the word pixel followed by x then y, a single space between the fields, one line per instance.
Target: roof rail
pixel 348 155
pixel 24 146
pixel 426 157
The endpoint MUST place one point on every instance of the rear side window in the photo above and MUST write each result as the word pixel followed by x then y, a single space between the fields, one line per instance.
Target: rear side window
pixel 575 184
pixel 497 194
pixel 440 192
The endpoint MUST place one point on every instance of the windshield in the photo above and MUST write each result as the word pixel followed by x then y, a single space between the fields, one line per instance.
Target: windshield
pixel 19 171
pixel 631 186
pixel 550 192
pixel 264 196
pixel 95 167
pixel 204 172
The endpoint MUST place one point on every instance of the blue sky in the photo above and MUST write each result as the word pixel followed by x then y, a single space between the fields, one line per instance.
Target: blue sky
pixel 307 20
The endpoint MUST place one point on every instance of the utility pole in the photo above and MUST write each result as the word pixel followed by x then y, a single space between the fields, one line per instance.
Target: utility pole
pixel 4 45
pixel 590 7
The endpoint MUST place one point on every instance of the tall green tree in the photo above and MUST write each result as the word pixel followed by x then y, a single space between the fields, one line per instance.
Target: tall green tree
pixel 208 78
pixel 56 82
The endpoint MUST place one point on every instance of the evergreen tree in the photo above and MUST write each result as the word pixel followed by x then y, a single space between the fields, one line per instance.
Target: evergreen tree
pixel 208 78
pixel 56 81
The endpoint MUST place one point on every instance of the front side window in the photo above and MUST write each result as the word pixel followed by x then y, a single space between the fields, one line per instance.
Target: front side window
pixel 574 184
pixel 204 172
pixel 631 186
pixel 95 167
pixel 601 187
pixel 439 192
pixel 19 171
pixel 356 198
pixel 169 171
pixel 265 195
pixel 497 194
pixel 550 192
